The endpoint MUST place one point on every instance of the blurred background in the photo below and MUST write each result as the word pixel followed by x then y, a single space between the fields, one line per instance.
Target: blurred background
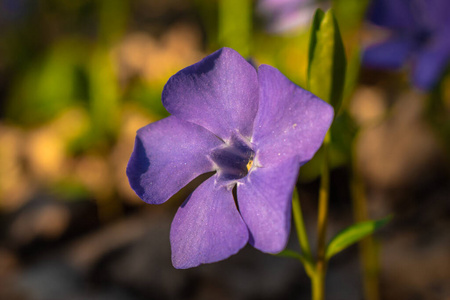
pixel 78 78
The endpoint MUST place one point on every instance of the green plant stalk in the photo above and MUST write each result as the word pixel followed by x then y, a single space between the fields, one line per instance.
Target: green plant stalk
pixel 306 257
pixel 368 251
pixel 318 280
pixel 318 286
pixel 300 226
pixel 323 202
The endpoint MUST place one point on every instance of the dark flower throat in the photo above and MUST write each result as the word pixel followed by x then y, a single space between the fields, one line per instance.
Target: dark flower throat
pixel 234 159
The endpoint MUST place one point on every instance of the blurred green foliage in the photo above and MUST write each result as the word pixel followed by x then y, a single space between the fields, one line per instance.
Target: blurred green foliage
pixel 46 87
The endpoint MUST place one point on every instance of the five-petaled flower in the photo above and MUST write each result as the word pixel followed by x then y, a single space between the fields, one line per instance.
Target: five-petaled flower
pixel 420 30
pixel 254 128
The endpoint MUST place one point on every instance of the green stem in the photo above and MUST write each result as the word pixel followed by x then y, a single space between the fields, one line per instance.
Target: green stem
pixel 323 202
pixel 300 225
pixel 368 251
pixel 318 281
pixel 306 257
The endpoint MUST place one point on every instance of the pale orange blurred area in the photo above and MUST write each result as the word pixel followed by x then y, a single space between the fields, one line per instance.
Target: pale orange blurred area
pixel 156 59
pixel 368 106
pixel 46 147
pixel 93 172
pixel 15 183
pixel 37 158
pixel 45 151
pixel 395 149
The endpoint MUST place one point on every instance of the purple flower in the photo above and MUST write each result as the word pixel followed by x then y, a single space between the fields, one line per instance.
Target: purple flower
pixel 420 32
pixel 254 128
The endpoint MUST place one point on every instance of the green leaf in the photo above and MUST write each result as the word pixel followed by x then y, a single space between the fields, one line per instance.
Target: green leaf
pixel 291 254
pixel 326 62
pixel 353 234
pixel 315 26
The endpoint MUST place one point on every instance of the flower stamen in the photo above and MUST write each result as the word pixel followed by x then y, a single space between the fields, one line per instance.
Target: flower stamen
pixel 249 165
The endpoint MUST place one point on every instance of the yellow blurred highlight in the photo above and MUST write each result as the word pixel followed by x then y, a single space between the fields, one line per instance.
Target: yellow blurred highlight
pixel 46 146
pixel 15 185
pixel 295 60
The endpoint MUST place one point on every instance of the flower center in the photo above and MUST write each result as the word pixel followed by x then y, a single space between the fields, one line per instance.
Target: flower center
pixel 234 159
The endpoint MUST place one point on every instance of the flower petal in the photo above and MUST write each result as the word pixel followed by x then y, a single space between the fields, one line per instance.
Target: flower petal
pixel 390 54
pixel 207 227
pixel 435 14
pixel 290 121
pixel 394 14
pixel 219 93
pixel 432 62
pixel 264 199
pixel 167 155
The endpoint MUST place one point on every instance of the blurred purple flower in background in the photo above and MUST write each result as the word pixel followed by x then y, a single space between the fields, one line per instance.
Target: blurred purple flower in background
pixel 286 15
pixel 15 10
pixel 420 33
pixel 254 128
